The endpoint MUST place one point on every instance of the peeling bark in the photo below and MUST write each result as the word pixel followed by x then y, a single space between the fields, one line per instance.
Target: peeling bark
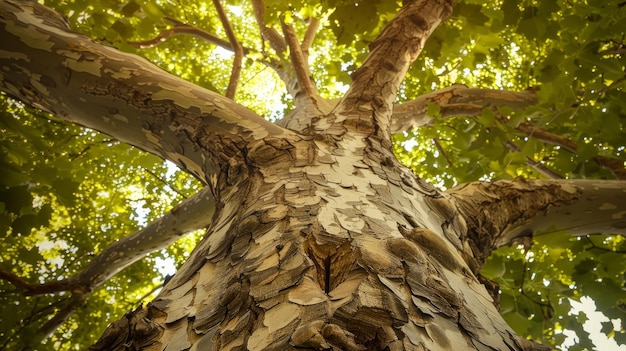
pixel 329 249
pixel 501 212
pixel 54 69
pixel 377 81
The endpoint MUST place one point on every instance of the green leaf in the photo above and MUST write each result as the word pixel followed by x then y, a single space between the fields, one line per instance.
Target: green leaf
pixel 511 11
pixel 518 322
pixel 16 198
pixel 153 10
pixel 487 118
pixel 130 9
pixel 65 190
pixel 24 224
pixel 472 12
pixel 433 110
pixel 494 268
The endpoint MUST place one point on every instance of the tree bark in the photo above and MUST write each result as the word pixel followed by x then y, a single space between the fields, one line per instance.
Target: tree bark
pixel 64 73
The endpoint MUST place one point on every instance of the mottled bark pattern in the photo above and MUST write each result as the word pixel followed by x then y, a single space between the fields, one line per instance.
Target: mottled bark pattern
pixel 323 246
pixel 503 212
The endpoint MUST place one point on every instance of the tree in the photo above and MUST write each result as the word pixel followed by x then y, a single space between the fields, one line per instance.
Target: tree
pixel 317 237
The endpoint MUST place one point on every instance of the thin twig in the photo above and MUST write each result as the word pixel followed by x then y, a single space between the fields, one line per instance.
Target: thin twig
pixel 612 85
pixel 237 49
pixel 539 167
pixel 541 303
pixel 594 246
pixel 182 28
pixel 442 151
pixel 161 180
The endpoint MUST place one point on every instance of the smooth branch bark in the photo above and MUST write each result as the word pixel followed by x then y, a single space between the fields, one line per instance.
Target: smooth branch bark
pixel 47 65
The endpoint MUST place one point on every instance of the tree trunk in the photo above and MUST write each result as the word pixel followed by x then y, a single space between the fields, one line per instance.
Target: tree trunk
pixel 321 245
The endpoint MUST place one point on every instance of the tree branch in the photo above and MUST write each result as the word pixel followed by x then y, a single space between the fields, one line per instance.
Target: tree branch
pixel 459 100
pixel 73 303
pixel 503 211
pixel 300 65
pixel 547 137
pixel 614 165
pixel 456 100
pixel 277 42
pixel 237 48
pixel 309 35
pixel 377 81
pixel 194 213
pixel 285 71
pixel 538 166
pixel 116 93
pixel 183 28
pixel 34 289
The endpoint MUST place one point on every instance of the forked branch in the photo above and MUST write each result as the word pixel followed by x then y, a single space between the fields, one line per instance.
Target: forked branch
pixel 377 81
pixel 237 48
pixel 307 41
pixel 277 42
pixel 462 101
pixel 503 211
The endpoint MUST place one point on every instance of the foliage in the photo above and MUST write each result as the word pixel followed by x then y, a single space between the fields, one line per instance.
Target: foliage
pixel 67 192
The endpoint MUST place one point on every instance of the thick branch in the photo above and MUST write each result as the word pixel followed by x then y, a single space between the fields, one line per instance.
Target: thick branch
pixel 78 80
pixel 194 213
pixel 456 100
pixel 237 48
pixel 502 211
pixel 377 81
